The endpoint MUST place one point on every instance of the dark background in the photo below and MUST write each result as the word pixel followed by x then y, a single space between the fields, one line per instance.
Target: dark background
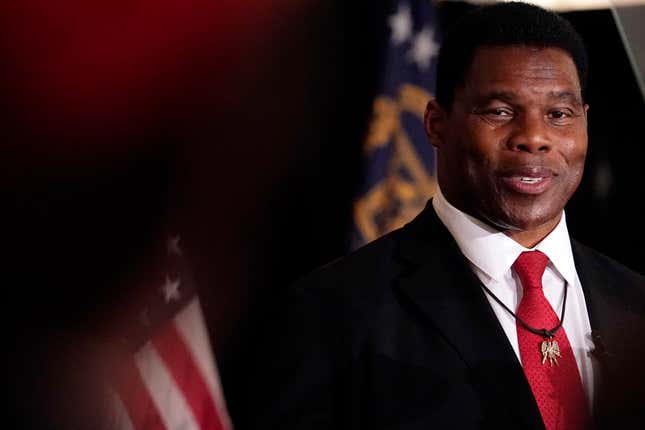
pixel 246 137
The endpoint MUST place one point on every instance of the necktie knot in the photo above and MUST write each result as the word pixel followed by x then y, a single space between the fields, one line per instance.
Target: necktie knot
pixel 530 267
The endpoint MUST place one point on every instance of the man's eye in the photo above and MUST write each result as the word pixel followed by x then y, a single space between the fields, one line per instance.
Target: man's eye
pixel 497 114
pixel 500 112
pixel 557 114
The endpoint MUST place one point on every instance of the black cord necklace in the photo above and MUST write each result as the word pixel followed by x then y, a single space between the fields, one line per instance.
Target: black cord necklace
pixel 547 334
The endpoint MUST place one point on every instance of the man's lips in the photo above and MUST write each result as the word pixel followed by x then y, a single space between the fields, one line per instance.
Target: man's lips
pixel 528 180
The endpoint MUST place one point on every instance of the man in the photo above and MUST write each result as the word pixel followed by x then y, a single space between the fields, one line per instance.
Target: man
pixel 482 312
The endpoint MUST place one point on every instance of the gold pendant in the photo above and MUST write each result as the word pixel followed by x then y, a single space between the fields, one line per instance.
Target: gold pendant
pixel 551 351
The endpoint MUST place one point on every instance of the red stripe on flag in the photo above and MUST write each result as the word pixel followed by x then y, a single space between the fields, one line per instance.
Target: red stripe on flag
pixel 179 361
pixel 136 398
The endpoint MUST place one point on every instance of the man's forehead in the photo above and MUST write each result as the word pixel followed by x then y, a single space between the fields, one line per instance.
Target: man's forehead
pixel 508 69
pixel 565 95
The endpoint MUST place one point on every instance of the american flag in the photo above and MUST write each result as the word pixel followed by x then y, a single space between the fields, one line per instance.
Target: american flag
pixel 170 381
pixel 398 159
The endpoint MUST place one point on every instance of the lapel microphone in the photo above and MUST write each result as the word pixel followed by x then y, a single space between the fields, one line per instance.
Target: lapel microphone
pixel 599 352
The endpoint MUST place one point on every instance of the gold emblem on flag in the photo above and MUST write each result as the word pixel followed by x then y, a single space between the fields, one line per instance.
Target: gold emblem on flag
pixel 406 187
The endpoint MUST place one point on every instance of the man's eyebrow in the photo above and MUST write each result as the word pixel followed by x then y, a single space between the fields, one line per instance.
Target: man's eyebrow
pixel 498 95
pixel 566 96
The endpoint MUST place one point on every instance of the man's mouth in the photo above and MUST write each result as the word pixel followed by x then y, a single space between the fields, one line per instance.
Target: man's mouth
pixel 528 180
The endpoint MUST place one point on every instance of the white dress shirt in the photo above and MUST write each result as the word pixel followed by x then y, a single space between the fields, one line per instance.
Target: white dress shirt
pixel 492 253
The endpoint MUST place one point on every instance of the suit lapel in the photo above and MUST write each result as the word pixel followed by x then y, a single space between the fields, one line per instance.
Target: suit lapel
pixel 615 303
pixel 439 281
pixel 603 315
pixel 599 308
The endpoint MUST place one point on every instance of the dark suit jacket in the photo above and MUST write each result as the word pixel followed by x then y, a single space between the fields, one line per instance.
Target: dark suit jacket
pixel 399 335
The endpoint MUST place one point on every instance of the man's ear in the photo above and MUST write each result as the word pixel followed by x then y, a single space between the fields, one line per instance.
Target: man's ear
pixel 434 122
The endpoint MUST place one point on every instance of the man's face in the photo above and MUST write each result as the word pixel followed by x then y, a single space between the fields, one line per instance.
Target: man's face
pixel 511 151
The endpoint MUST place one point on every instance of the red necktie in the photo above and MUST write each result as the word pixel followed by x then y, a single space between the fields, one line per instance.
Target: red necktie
pixel 551 371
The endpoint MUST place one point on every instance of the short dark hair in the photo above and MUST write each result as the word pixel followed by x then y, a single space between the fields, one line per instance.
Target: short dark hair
pixel 503 24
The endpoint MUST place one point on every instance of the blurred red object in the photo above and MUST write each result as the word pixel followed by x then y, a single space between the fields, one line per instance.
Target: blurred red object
pixel 83 71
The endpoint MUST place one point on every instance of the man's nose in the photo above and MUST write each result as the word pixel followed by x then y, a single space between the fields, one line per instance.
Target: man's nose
pixel 530 134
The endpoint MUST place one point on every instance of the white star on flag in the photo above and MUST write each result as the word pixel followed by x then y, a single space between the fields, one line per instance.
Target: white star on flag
pixel 170 289
pixel 401 24
pixel 423 48
pixel 172 246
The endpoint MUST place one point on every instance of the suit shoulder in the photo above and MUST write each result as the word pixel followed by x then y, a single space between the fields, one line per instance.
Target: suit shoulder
pixel 612 268
pixel 615 282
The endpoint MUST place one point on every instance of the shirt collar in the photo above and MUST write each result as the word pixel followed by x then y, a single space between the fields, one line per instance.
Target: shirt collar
pixel 492 251
pixel 557 246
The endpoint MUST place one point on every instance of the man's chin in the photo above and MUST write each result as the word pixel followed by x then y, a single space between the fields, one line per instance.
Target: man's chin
pixel 523 222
